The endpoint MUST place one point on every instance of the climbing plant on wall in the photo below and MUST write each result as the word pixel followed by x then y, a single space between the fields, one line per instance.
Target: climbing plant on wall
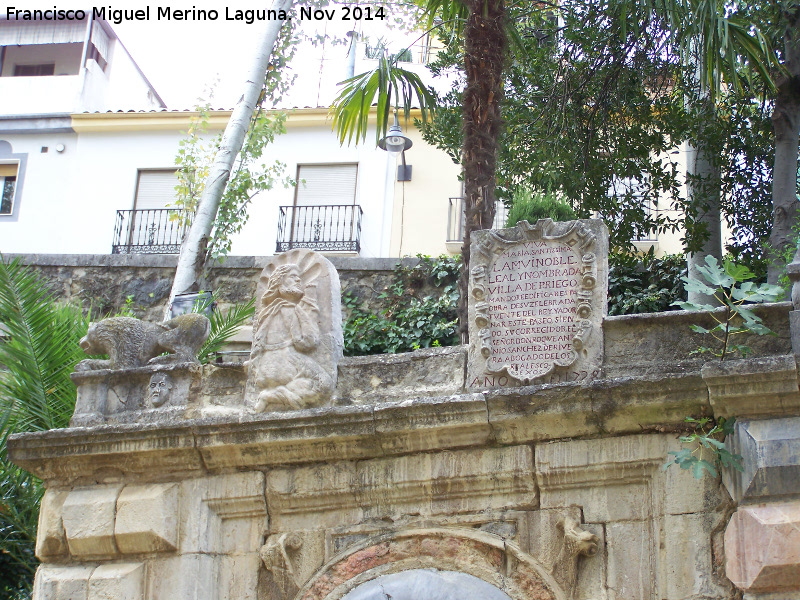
pixel 417 310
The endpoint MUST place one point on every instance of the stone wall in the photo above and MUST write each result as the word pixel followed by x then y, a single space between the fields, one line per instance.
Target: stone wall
pixel 421 477
pixel 412 485
pixel 104 282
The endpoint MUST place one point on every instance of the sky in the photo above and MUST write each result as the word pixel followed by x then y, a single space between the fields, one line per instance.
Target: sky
pixel 183 58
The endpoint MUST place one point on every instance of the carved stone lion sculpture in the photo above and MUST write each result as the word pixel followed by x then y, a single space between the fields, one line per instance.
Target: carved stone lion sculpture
pixel 132 343
pixel 297 334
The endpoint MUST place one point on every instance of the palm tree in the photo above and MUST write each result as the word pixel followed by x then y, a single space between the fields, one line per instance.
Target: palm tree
pixel 39 351
pixel 484 28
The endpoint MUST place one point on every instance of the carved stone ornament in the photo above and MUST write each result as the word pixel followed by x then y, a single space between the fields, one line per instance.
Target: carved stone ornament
pixel 537 297
pixel 297 334
pixel 278 556
pixel 131 343
pixel 159 389
pixel 575 542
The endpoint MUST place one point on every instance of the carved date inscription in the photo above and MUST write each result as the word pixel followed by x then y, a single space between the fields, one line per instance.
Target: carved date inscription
pixel 532 298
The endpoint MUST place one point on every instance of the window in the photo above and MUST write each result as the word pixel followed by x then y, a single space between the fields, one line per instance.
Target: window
pixel 151 227
pixel 155 188
pixel 34 70
pixel 94 54
pixel 8 185
pixel 456 217
pixel 320 185
pixel 634 195
pixel 324 216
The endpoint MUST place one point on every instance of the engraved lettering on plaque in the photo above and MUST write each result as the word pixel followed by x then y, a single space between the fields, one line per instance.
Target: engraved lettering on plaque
pixel 533 300
pixel 535 310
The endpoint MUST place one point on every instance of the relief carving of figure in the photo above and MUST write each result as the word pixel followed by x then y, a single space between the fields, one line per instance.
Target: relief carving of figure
pixel 295 347
pixel 277 555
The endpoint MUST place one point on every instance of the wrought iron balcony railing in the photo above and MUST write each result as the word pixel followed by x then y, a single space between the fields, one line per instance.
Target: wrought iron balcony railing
pixel 455 218
pixel 152 231
pixel 334 228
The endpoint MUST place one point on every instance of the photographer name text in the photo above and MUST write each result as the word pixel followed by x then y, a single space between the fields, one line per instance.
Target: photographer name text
pixel 167 13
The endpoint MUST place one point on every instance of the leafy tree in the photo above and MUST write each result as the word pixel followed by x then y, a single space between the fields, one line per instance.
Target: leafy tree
pixel 598 115
pixel 591 117
pixel 250 177
pixel 781 19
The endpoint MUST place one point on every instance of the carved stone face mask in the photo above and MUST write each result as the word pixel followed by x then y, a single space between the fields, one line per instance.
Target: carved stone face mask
pixel 159 389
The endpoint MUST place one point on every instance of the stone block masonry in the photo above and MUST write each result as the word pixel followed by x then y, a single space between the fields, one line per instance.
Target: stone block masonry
pixel 106 281
pixel 316 503
pixel 409 481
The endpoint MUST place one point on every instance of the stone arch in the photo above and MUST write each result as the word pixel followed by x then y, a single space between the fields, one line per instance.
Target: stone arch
pixel 481 555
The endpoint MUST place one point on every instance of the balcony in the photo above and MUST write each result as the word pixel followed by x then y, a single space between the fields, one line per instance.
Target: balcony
pixel 335 228
pixel 39 95
pixel 153 231
pixel 455 219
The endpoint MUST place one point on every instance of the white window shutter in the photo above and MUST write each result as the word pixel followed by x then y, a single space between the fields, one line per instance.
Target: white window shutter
pixel 326 184
pixel 156 189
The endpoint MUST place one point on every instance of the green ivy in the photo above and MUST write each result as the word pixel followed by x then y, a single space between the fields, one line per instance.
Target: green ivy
pixel 418 310
pixel 644 283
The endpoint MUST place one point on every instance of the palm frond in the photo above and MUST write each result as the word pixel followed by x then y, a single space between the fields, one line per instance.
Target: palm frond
pixel 350 110
pixel 452 12
pixel 20 495
pixel 224 326
pixel 39 351
pixel 720 44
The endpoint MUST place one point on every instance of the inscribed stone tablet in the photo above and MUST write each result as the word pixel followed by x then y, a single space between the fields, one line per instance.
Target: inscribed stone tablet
pixel 536 303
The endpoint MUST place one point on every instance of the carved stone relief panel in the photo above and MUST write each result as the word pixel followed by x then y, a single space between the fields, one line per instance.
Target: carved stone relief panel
pixel 297 334
pixel 537 298
pixel 152 393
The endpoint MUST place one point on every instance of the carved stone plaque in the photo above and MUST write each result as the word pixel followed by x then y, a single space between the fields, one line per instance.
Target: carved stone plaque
pixel 537 298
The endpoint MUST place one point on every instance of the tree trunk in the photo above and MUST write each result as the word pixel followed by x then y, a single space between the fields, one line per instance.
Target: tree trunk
pixel 193 250
pixel 704 189
pixel 484 53
pixel 786 121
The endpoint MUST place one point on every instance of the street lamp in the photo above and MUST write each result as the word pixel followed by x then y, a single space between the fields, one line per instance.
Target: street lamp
pixel 396 143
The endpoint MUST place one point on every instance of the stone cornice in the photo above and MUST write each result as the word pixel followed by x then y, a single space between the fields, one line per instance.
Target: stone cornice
pixel 523 415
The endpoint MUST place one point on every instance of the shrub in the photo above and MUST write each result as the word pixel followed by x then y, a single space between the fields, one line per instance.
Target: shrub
pixel 644 284
pixel 531 206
